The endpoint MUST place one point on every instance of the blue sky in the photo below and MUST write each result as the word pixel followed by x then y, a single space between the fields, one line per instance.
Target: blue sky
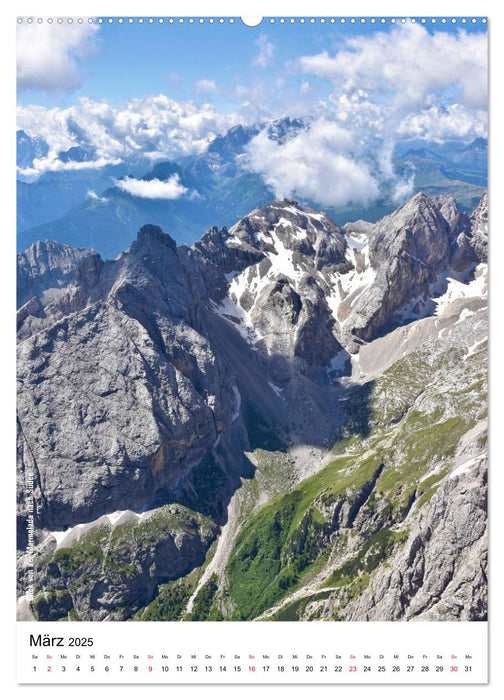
pixel 165 91
pixel 133 60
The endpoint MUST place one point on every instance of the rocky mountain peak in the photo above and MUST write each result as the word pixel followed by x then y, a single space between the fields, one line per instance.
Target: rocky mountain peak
pixel 29 148
pixel 232 142
pixel 285 225
pixel 479 229
pixel 281 238
pixel 51 255
pixel 455 218
pixel 420 205
pixel 417 229
pixel 47 265
pixel 479 143
pixel 360 279
pixel 283 129
pixel 152 235
pixel 479 217
pixel 76 154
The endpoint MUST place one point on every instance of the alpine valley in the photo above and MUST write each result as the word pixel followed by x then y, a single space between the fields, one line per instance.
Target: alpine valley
pixel 286 420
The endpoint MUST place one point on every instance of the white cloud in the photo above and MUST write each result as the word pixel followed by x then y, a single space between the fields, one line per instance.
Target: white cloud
pixel 153 125
pixel 359 111
pixel 153 189
pixel 403 189
pixel 443 123
pixel 266 51
pixel 316 164
pixel 403 84
pixel 49 55
pixel 205 85
pixel 53 164
pixel 408 63
pixel 92 195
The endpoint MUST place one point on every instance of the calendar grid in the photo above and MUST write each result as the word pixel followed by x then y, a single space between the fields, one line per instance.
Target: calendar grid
pixel 350 653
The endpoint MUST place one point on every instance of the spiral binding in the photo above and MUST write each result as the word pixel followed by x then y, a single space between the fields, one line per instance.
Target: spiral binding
pixel 266 20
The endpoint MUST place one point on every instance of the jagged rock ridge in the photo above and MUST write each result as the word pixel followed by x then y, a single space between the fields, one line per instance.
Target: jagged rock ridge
pixel 164 376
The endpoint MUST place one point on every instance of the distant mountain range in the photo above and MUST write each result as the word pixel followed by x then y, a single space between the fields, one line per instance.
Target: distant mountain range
pixel 466 164
pixel 85 207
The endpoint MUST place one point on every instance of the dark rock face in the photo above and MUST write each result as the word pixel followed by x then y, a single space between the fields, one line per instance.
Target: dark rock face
pixel 471 244
pixel 479 229
pixel 124 394
pixel 143 381
pixel 449 210
pixel 126 421
pixel 407 250
pixel 417 229
pixel 47 265
pixel 214 248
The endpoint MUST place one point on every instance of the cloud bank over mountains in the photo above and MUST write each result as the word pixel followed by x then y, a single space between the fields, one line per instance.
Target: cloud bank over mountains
pixel 357 103
pixel 318 162
pixel 439 124
pixel 154 127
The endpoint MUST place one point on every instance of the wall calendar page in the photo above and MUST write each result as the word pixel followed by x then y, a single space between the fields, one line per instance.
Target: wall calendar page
pixel 252 325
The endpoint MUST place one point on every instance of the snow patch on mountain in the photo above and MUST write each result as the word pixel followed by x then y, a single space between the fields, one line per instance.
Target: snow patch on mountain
pixel 236 315
pixel 477 287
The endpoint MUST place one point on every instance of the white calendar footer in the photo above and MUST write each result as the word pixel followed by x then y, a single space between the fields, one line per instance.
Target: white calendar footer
pixel 252 652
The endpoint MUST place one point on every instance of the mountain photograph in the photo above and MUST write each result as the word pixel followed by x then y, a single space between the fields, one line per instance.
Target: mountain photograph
pixel 252 322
